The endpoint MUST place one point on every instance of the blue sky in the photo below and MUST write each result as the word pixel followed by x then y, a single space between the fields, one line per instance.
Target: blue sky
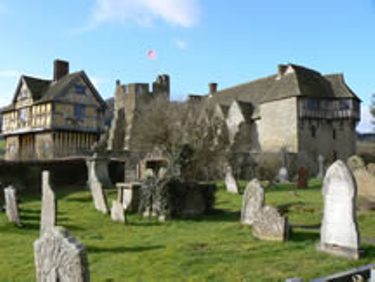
pixel 196 41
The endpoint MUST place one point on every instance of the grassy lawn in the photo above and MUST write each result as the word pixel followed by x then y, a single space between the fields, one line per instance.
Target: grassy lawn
pixel 212 248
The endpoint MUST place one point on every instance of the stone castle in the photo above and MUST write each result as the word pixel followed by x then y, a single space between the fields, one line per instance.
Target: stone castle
pixel 297 110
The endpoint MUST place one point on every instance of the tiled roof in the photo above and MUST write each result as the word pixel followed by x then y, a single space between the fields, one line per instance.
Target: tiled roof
pixel 36 86
pixel 296 81
pixel 48 90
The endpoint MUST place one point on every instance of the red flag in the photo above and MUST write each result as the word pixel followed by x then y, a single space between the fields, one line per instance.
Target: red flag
pixel 151 54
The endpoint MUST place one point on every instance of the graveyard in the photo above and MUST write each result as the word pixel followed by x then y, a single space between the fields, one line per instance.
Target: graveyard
pixel 209 247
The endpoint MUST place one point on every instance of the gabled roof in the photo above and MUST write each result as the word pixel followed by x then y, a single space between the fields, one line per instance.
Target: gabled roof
pixel 56 89
pixel 292 82
pixel 339 87
pixel 36 86
pixel 48 90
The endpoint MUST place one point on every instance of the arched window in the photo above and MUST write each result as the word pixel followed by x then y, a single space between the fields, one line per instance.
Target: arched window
pixel 313 131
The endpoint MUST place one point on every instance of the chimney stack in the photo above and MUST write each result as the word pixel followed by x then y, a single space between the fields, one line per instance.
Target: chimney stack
pixel 281 69
pixel 60 69
pixel 212 87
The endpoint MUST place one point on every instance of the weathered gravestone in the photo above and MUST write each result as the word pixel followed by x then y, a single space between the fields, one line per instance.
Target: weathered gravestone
pixel 303 177
pixel 270 225
pixel 96 188
pixel 252 202
pixel 365 184
pixel 99 167
pixel 339 234
pixel 128 194
pixel 117 211
pixel 355 162
pixel 267 223
pixel 59 257
pixel 283 176
pixel 230 181
pixel 320 167
pixel 371 168
pixel 11 206
pixel 49 204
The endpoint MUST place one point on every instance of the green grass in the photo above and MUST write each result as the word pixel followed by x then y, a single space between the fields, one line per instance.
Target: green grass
pixel 211 248
pixel 2 147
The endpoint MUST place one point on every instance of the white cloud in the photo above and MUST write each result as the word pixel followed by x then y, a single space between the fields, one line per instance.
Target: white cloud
pixel 366 118
pixel 184 13
pixel 181 44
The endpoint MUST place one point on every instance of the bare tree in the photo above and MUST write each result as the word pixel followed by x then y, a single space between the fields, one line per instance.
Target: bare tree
pixel 185 133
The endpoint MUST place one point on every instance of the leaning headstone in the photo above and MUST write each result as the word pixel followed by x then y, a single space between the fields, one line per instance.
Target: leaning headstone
pixel 365 184
pixel 252 202
pixel 283 176
pixel 59 257
pixel 96 188
pixel 230 181
pixel 49 203
pixel 339 234
pixel 303 177
pixel 355 162
pixel 99 167
pixel 270 225
pixel 117 211
pixel 320 167
pixel 371 168
pixel 129 195
pixel 11 206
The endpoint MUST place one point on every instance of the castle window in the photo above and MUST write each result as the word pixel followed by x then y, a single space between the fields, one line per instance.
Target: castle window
pixel 22 116
pixel 333 133
pixel 313 131
pixel 79 111
pixel 24 94
pixel 312 104
pixel 345 105
pixel 80 89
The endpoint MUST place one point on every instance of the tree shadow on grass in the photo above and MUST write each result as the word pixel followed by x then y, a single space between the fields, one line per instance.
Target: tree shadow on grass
pixel 79 200
pixel 30 226
pixel 28 211
pixel 369 251
pixel 93 249
pixel 219 215
pixel 298 235
pixel 29 217
pixel 284 208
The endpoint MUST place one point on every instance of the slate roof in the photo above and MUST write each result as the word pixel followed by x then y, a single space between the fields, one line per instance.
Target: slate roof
pixel 47 90
pixel 298 81
pixel 36 86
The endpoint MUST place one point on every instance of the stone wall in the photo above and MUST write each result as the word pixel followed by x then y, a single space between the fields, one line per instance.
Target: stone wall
pixel 333 139
pixel 277 127
pixel 12 148
pixel 44 146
